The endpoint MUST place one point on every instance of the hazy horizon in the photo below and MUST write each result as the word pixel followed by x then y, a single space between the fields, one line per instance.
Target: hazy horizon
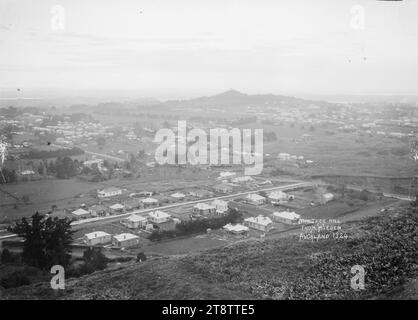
pixel 190 48
pixel 127 95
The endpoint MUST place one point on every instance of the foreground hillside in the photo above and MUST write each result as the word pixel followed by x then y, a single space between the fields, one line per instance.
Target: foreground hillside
pixel 278 269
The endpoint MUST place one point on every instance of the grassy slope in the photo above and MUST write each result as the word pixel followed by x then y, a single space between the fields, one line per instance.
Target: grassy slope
pixel 278 269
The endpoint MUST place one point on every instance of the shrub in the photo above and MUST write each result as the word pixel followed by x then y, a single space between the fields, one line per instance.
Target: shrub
pixel 6 256
pixel 399 151
pixel 95 258
pixel 141 257
pixel 9 257
pixel 16 279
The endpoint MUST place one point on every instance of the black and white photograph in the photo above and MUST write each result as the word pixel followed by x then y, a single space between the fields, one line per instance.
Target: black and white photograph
pixel 208 154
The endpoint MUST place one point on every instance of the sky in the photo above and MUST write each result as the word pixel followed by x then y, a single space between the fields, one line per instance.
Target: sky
pixel 195 46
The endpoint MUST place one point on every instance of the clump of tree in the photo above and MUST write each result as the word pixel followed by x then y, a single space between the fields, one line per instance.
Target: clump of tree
pixel 101 141
pixel 16 279
pixel 46 240
pixel 93 260
pixel 141 257
pixel 270 136
pixel 186 228
pixel 383 152
pixel 8 176
pixel 10 112
pixel 43 154
pixel 8 257
pixel 64 168
pixel 364 195
pixel 277 172
pixel 400 151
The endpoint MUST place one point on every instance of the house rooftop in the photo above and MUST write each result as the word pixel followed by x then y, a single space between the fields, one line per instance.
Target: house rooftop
pixel 80 212
pixel 136 218
pixel 287 215
pixel 262 220
pixel 96 234
pixel 116 206
pixel 125 236
pixel 277 193
pixel 204 206
pixel 236 228
pixel 255 197
pixel 178 195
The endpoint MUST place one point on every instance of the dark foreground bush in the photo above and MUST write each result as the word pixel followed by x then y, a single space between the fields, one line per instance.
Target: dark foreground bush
pixel 16 279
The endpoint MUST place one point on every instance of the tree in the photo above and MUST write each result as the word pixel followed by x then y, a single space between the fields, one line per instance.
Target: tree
pixel 132 159
pixel 101 141
pixel 46 240
pixel 166 124
pixel 16 279
pixel 6 256
pixel 51 168
pixel 137 128
pixel 95 259
pixel 41 169
pixel 65 168
pixel 141 257
pixel 8 176
pixel 342 188
pixel 25 199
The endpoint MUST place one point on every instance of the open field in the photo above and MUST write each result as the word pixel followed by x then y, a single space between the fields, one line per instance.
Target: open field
pixel 42 195
pixel 342 153
pixel 184 246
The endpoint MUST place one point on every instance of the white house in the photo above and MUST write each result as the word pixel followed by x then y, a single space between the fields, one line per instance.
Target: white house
pixel 149 201
pixel 81 213
pixel 223 188
pixel 109 192
pixel 243 179
pixel 327 197
pixel 277 196
pixel 97 237
pixel 255 199
pixel 27 172
pixel 200 193
pixel 116 208
pixel 178 195
pixel 134 221
pixel 226 175
pixel 260 223
pixel 283 156
pixel 286 217
pixel 236 229
pixel 125 240
pixel 158 216
pixel 204 208
pixel 221 206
